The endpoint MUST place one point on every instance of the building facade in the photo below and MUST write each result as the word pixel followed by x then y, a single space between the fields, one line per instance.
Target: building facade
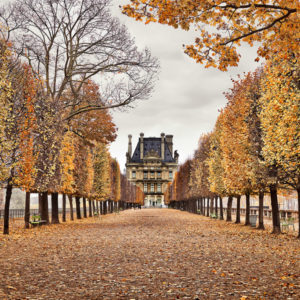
pixel 152 166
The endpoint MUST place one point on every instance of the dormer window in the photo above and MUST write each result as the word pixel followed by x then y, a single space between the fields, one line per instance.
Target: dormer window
pixel 133 175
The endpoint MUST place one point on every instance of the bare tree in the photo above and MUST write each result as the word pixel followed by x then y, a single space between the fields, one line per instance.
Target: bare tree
pixel 71 41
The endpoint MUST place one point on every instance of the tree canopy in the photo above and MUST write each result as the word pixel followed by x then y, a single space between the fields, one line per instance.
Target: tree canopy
pixel 222 26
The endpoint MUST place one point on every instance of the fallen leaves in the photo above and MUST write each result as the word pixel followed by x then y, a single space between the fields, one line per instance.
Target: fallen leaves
pixel 148 254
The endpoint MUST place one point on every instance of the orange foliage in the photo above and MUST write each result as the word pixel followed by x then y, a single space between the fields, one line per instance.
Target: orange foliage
pixel 26 172
pixel 273 24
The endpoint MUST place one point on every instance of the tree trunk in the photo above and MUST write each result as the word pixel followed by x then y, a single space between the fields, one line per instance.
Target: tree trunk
pixel 98 210
pixel 64 207
pixel 93 206
pixel 216 207
pixel 261 211
pixel 202 205
pixel 6 207
pixel 247 217
pixel 78 212
pixel 207 208
pixel 44 210
pixel 71 207
pixel 40 204
pixel 84 207
pixel 212 205
pixel 275 210
pixel 221 208
pixel 105 207
pixel 54 203
pixel 238 210
pixel 90 208
pixel 229 206
pixel 108 206
pixel 27 210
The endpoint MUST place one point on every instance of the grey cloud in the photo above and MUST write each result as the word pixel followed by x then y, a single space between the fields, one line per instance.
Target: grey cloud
pixel 187 96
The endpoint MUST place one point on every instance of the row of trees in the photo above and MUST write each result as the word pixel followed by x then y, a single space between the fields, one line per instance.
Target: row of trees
pixel 255 146
pixel 41 154
pixel 63 64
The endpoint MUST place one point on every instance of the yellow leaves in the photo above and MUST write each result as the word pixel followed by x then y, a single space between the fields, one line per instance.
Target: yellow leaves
pixel 280 113
pixel 5 94
pixel 102 173
pixel 67 156
pixel 253 23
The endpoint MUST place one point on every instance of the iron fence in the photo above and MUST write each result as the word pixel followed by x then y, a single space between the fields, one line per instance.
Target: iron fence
pixel 20 213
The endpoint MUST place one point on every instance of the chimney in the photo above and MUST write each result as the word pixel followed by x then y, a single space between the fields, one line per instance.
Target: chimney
pixel 162 135
pixel 169 140
pixel 141 145
pixel 129 145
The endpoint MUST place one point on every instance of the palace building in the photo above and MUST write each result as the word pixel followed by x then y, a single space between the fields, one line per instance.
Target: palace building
pixel 152 166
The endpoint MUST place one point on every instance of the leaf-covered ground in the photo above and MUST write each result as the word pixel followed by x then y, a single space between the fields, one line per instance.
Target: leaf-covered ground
pixel 149 254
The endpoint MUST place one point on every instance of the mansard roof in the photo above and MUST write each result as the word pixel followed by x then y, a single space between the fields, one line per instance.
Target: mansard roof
pixel 152 148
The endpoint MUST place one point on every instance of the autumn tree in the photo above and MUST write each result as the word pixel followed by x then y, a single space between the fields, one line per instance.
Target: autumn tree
pixel 258 171
pixel 16 121
pixel 115 180
pixel 102 179
pixel 214 162
pixel 79 40
pixel 223 25
pixel 49 136
pixel 88 191
pixel 6 144
pixel 5 94
pixel 279 118
pixel 181 186
pixel 67 166
pixel 237 160
pixel 26 165
pixel 94 125
pixel 168 193
pixel 199 185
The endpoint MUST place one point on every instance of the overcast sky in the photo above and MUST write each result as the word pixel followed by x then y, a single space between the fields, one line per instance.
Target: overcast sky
pixel 187 96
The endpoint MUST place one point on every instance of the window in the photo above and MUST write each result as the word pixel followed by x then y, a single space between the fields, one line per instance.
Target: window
pixel 145 187
pixel 133 174
pixel 159 187
pixel 145 175
pixel 152 188
pixel 152 174
pixel 158 174
pixel 170 174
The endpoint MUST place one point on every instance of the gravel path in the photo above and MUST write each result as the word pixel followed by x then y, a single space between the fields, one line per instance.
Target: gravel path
pixel 149 254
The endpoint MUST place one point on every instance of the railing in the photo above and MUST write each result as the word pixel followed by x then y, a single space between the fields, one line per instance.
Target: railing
pixel 20 213
pixel 284 214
